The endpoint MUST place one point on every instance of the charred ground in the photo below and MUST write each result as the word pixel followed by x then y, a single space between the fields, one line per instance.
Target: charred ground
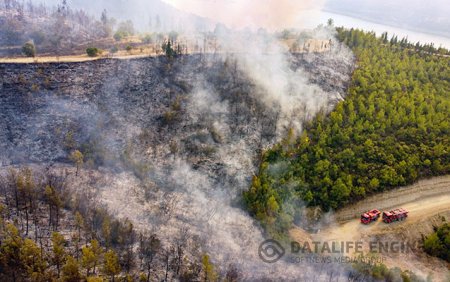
pixel 168 145
pixel 50 109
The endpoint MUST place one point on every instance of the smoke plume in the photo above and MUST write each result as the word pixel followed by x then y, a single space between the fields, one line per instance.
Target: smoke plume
pixel 270 14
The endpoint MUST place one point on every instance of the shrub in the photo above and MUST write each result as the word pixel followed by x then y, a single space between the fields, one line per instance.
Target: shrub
pixel 438 243
pixel 28 49
pixel 119 35
pixel 92 51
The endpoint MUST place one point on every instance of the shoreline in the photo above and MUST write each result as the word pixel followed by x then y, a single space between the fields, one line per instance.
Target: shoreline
pixel 388 24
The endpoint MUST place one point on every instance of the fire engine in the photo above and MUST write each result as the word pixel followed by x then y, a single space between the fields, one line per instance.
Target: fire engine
pixel 395 215
pixel 370 216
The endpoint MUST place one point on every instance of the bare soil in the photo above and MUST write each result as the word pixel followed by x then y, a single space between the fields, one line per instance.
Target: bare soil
pixel 415 193
pixel 428 203
pixel 77 58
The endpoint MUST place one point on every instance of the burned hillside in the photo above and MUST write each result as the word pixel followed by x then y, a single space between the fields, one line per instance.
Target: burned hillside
pixel 50 109
pixel 167 143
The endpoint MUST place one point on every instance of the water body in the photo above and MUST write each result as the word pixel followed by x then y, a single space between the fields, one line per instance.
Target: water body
pixel 321 17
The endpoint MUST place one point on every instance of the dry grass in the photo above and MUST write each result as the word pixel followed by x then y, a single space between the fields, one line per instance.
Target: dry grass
pixel 77 58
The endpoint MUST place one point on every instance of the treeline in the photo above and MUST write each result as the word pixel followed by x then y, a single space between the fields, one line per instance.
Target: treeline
pixel 48 233
pixel 438 243
pixel 392 129
pixel 355 39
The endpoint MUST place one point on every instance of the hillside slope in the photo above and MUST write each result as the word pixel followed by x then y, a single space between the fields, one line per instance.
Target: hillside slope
pixel 169 144
pixel 392 129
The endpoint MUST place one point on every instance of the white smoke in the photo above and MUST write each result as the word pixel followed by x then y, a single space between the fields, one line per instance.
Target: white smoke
pixel 270 14
pixel 205 199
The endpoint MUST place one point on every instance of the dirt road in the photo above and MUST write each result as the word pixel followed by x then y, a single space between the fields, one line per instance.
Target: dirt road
pixel 428 203
pixel 415 193
pixel 418 211
pixel 423 200
pixel 70 59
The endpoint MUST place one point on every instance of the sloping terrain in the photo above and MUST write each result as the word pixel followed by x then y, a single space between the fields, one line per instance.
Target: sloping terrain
pixel 170 144
pixel 49 109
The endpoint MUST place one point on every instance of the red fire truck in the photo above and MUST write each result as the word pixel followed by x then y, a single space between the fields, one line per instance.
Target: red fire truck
pixel 395 215
pixel 370 216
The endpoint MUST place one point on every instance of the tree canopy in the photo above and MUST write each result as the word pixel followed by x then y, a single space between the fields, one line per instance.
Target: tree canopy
pixel 392 129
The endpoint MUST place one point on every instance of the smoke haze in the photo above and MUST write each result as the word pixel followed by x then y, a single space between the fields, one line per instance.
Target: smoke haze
pixel 271 97
pixel 237 102
pixel 270 14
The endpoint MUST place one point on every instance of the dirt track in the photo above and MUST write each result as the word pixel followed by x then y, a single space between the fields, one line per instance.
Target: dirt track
pixel 69 59
pixel 418 211
pixel 412 195
pixel 428 203
pixel 424 199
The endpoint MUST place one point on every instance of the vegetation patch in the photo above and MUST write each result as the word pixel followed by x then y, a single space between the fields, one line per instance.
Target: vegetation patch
pixel 438 243
pixel 28 49
pixel 93 51
pixel 391 130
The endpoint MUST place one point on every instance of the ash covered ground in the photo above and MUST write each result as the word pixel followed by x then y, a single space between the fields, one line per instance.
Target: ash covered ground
pixel 168 143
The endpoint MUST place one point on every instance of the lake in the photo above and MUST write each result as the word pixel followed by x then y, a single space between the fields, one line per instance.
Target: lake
pixel 321 17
